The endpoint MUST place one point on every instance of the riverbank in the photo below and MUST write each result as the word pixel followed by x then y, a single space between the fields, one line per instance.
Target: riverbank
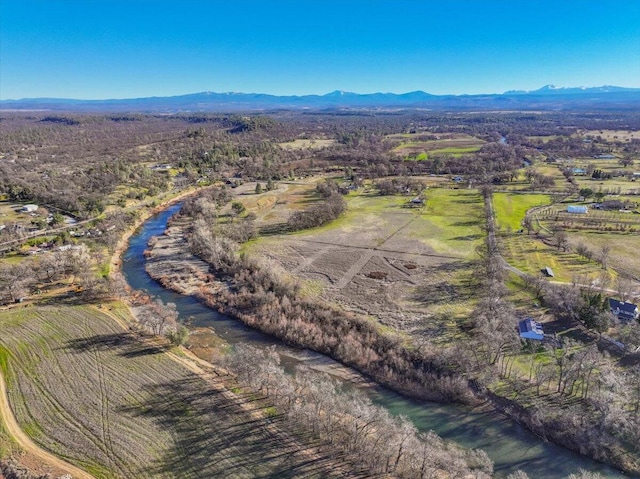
pixel 171 264
pixel 164 264
pixel 115 261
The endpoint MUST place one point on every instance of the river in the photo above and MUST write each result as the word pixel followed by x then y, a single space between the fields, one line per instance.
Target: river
pixel 509 445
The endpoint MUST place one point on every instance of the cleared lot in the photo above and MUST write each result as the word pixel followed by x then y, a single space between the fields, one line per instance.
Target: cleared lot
pixel 409 268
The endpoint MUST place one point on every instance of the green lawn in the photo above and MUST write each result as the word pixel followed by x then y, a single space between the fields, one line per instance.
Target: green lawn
pixel 458 218
pixel 510 209
pixel 455 151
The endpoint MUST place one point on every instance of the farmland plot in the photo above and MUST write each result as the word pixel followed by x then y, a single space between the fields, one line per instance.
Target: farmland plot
pixel 88 391
pixel 407 268
pixel 421 146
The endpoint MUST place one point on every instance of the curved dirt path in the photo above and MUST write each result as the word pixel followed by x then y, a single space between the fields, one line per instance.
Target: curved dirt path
pixel 27 444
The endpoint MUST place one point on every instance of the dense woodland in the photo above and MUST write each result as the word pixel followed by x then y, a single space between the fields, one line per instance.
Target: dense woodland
pixel 101 168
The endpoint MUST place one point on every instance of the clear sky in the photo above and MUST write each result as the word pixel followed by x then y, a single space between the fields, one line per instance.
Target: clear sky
pixel 96 49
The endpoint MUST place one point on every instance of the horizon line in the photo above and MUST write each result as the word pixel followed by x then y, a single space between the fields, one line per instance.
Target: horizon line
pixel 549 85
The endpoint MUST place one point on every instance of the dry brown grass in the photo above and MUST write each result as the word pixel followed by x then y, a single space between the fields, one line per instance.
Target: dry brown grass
pixel 409 270
pixel 308 144
pixel 611 135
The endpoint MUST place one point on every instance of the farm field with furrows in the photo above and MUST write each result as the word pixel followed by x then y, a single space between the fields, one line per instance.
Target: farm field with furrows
pixel 409 268
pixel 87 390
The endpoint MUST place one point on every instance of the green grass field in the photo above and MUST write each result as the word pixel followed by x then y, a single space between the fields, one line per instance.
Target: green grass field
pixel 422 146
pixel 451 223
pixel 530 255
pixel 455 151
pixel 510 209
pixel 457 217
pixel 624 255
pixel 88 391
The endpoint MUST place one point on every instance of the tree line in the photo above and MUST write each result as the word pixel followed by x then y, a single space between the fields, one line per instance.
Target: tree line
pixel 347 420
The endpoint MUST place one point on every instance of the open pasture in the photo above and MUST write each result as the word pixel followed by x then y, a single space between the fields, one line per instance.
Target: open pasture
pixel 624 256
pixel 88 391
pixel 409 268
pixel 307 144
pixel 421 146
pixel 510 209
pixel 275 206
pixel 612 135
pixel 531 256
pixel 615 185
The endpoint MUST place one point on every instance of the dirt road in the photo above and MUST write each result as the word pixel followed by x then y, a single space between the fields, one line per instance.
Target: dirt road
pixel 27 444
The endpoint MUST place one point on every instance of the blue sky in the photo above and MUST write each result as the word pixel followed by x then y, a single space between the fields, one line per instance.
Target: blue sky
pixel 132 48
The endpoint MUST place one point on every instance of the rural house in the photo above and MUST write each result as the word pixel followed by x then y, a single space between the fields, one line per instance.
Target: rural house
pixel 623 310
pixel 577 209
pixel 579 171
pixel 530 329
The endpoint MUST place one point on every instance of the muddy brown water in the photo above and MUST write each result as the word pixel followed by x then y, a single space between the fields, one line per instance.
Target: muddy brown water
pixel 509 445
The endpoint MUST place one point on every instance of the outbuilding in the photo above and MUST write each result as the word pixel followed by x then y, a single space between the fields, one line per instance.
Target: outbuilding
pixel 530 329
pixel 29 208
pixel 577 209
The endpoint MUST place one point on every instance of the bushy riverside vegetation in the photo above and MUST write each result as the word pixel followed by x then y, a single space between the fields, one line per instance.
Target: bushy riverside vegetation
pixel 459 373
pixel 317 215
pixel 592 403
pixel 382 443
pixel 13 470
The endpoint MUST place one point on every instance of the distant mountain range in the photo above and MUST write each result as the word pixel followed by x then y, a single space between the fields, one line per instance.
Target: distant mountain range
pixel 548 97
